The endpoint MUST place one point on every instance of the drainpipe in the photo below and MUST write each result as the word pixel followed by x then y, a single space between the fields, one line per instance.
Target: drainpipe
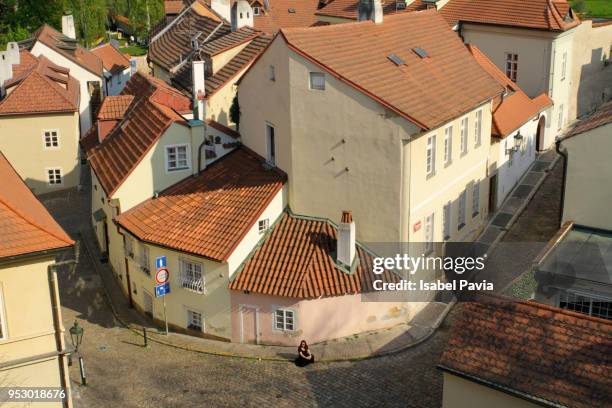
pixel 564 179
pixel 59 328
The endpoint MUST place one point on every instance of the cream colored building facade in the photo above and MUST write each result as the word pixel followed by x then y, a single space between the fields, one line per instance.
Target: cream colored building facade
pixel 341 149
pixel 24 140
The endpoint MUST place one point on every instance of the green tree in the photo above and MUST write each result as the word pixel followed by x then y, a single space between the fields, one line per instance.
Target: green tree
pixel 90 17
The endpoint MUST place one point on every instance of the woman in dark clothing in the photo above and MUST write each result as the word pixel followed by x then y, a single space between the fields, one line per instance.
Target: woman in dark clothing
pixel 304 356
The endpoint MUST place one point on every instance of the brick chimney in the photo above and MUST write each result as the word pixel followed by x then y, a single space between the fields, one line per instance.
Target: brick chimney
pixel 242 15
pixel 68 26
pixel 222 7
pixel 199 91
pixel 346 240
pixel 370 10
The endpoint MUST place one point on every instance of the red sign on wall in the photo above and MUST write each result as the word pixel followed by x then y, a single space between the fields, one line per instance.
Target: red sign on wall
pixel 416 226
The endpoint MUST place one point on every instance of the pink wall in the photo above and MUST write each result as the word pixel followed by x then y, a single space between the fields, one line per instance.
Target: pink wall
pixel 318 319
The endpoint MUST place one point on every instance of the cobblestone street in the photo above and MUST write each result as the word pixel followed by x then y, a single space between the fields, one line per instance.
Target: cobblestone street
pixel 122 373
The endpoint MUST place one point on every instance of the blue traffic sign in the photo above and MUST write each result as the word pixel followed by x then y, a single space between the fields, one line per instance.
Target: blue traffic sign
pixel 160 262
pixel 162 290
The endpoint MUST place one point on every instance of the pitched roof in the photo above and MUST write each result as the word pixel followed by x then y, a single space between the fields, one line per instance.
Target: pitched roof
pixel 426 91
pixel 175 6
pixel 542 353
pixel 602 116
pixel 69 49
pixel 296 260
pixel 114 107
pixel 112 60
pixel 287 14
pixel 25 224
pixel 348 9
pixel 514 109
pixel 229 41
pixel 538 14
pixel 40 87
pixel 208 214
pixel 172 44
pixel 154 108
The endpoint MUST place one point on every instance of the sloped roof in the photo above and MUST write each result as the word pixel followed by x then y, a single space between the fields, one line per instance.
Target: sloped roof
pixel 40 87
pixel 287 14
pixel 175 6
pixel 349 8
pixel 229 41
pixel 542 353
pixel 510 112
pixel 112 60
pixel 79 55
pixel 114 107
pixel 208 214
pixel 296 260
pixel 427 91
pixel 602 116
pixel 538 14
pixel 154 108
pixel 25 224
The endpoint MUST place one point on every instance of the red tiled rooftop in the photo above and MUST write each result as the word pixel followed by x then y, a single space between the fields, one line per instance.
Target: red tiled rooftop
pixel 533 350
pixel 426 91
pixel 112 60
pixel 208 214
pixel 279 15
pixel 602 116
pixel 25 224
pixel 348 9
pixel 114 107
pixel 296 261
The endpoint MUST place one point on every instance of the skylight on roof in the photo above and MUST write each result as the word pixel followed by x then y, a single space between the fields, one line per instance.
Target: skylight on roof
pixel 420 52
pixel 291 10
pixel 396 60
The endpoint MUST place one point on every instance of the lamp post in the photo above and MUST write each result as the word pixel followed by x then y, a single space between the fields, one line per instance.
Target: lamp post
pixel 76 337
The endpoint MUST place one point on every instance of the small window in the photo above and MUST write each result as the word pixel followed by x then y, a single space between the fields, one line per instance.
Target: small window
pixel 54 177
pixel 448 145
pixel 51 139
pixel 3 334
pixel 317 81
pixel 177 157
pixel 256 11
pixel 241 15
pixel 464 136
pixel 263 225
pixel 511 66
pixel 194 320
pixel 272 73
pixel 429 233
pixel 270 144
pixel 284 319
pixel 589 305
pixel 476 199
pixel 478 129
pixel 144 259
pixel 431 155
pixel 563 65
pixel 462 203
pixel 192 277
pixel 446 215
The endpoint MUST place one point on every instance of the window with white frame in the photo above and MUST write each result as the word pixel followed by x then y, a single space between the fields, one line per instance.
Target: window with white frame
pixel 478 129
pixel 144 259
pixel 284 319
pixel 462 204
pixel 429 233
pixel 177 157
pixel 191 276
pixel 128 244
pixel 431 155
pixel 54 176
pixel 448 145
pixel 256 11
pixel 588 304
pixel 317 81
pixel 560 119
pixel 563 65
pixel 476 199
pixel 51 139
pixel 272 73
pixel 446 220
pixel 464 136
pixel 511 66
pixel 194 320
pixel 3 334
pixel 263 225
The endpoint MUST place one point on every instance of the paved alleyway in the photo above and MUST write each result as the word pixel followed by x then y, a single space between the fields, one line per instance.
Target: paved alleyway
pixel 121 373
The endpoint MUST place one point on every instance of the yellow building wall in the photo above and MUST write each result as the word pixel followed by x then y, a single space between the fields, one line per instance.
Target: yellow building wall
pixel 22 142
pixel 219 60
pixel 218 104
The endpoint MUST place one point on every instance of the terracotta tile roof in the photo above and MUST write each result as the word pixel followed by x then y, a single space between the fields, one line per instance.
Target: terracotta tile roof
pixel 79 55
pixel 279 15
pixel 296 260
pixel 538 14
pixel 602 116
pixel 27 61
pixel 427 91
pixel 208 214
pixel 229 41
pixel 40 87
pixel 25 224
pixel 222 128
pixel 114 107
pixel 174 44
pixel 175 6
pixel 516 108
pixel 349 8
pixel 112 60
pixel 152 111
pixel 90 140
pixel 541 352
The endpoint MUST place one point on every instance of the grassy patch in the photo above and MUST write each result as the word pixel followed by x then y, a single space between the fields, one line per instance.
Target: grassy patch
pixel 134 50
pixel 525 287
pixel 593 8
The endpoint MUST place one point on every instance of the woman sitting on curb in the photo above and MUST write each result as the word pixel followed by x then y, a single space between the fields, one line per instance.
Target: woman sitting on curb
pixel 304 356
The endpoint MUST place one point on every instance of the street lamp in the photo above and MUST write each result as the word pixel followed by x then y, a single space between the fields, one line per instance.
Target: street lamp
pixel 76 335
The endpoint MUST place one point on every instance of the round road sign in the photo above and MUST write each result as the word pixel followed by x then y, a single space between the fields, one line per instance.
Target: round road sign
pixel 162 276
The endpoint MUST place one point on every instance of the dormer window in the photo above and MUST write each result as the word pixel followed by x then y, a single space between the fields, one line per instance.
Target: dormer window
pixel 256 11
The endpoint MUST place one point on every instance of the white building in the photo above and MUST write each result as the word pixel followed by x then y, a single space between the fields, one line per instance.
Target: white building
pixel 117 68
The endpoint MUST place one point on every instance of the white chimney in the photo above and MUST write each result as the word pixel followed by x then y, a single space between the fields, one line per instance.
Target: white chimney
pixel 222 7
pixel 68 26
pixel 242 15
pixel 6 68
pixel 370 10
pixel 346 240
pixel 12 49
pixel 199 91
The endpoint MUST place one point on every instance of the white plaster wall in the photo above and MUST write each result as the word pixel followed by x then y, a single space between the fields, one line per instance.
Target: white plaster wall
pixel 116 83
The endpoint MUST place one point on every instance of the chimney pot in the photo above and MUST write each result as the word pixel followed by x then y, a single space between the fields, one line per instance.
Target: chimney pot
pixel 345 245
